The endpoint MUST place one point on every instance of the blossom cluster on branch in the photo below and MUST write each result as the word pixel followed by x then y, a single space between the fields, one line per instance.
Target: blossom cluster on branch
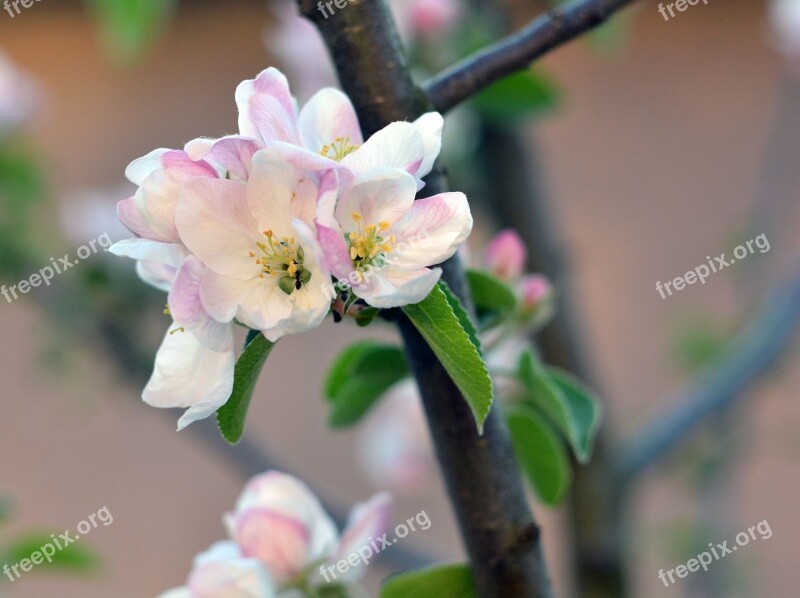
pixel 251 229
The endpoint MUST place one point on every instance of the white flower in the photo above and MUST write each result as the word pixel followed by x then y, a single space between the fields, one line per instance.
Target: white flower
pixel 382 241
pixel 257 242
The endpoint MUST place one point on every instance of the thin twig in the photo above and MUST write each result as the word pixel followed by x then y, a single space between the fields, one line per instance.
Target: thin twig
pixel 517 51
pixel 722 383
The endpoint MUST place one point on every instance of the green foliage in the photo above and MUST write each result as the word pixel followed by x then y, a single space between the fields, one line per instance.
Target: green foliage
pixel 71 558
pixel 440 323
pixel 494 300
pixel 573 409
pixel 463 317
pixel 443 581
pixel 359 377
pixel 232 415
pixel 128 27
pixel 541 454
pixel 520 95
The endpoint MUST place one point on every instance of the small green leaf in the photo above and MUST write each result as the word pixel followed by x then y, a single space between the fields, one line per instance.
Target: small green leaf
pixel 128 27
pixel 541 453
pixel 520 95
pixel 441 581
pixel 461 314
pixel 359 377
pixel 365 317
pixel 493 298
pixel 232 415
pixel 71 558
pixel 585 412
pixel 573 409
pixel 441 328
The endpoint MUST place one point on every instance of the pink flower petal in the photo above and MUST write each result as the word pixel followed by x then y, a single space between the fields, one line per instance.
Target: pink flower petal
pixel 328 115
pixel 367 521
pixel 278 541
pixel 384 195
pixel 399 145
pixel 266 108
pixel 506 255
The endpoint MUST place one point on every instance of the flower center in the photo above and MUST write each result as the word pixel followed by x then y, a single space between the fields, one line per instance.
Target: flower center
pixel 340 148
pixel 368 245
pixel 282 259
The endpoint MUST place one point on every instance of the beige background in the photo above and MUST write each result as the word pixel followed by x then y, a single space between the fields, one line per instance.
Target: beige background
pixel 654 163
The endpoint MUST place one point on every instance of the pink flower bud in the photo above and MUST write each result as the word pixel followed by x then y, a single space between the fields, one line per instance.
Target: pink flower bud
pixel 223 571
pixel 432 17
pixel 535 289
pixel 506 255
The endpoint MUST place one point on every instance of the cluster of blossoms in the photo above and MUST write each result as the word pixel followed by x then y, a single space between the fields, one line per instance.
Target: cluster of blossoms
pixel 394 446
pixel 280 536
pixel 251 229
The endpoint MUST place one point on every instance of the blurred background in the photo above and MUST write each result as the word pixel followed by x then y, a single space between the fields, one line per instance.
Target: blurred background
pixel 656 144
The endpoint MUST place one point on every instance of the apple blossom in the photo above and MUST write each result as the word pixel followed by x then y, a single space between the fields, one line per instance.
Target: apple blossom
pixel 257 241
pixel 280 522
pixel 506 255
pixel 324 135
pixel 382 241
pixel 223 571
pixel 425 18
pixel 535 289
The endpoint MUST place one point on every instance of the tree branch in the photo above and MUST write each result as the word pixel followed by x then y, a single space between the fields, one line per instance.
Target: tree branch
pixel 721 384
pixel 483 481
pixel 515 52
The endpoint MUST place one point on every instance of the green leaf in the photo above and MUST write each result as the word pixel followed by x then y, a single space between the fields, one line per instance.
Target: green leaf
pixel 585 412
pixel 232 415
pixel 520 95
pixel 541 454
pixel 494 299
pixel 573 409
pixel 71 558
pixel 365 317
pixel 359 377
pixel 436 319
pixel 463 317
pixel 441 581
pixel 128 27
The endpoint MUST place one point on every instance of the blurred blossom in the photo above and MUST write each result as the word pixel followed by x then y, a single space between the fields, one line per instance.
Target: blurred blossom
pixel 394 447
pixel 784 17
pixel 281 534
pixel 506 255
pixel 91 211
pixel 299 47
pixel 19 96
pixel 534 289
pixel 421 19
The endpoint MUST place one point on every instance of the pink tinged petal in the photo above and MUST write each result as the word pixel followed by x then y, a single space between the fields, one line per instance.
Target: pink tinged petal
pixel 334 248
pixel 367 521
pixel 197 149
pixel 399 145
pixel 286 495
pixel 390 287
pixel 383 195
pixel 129 216
pixel 141 168
pixel 263 306
pixel 432 231
pixel 300 157
pixel 168 254
pixel 266 109
pixel 270 192
pixel 534 289
pixel 430 126
pixel 278 541
pixel 224 571
pixel 189 375
pixel 180 165
pixel 235 156
pixel 328 115
pixel 216 225
pixel 188 312
pixel 506 255
pixel 156 274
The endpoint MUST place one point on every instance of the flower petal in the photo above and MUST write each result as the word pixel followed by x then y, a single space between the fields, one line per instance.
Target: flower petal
pixel 430 126
pixel 216 225
pixel 431 231
pixel 278 541
pixel 189 375
pixel 367 521
pixel 398 145
pixel 329 114
pixel 224 571
pixel 335 252
pixel 391 287
pixel 266 108
pixel 384 194
pixel 168 254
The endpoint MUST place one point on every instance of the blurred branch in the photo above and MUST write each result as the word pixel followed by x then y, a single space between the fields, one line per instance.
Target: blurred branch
pixel 515 52
pixel 722 383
